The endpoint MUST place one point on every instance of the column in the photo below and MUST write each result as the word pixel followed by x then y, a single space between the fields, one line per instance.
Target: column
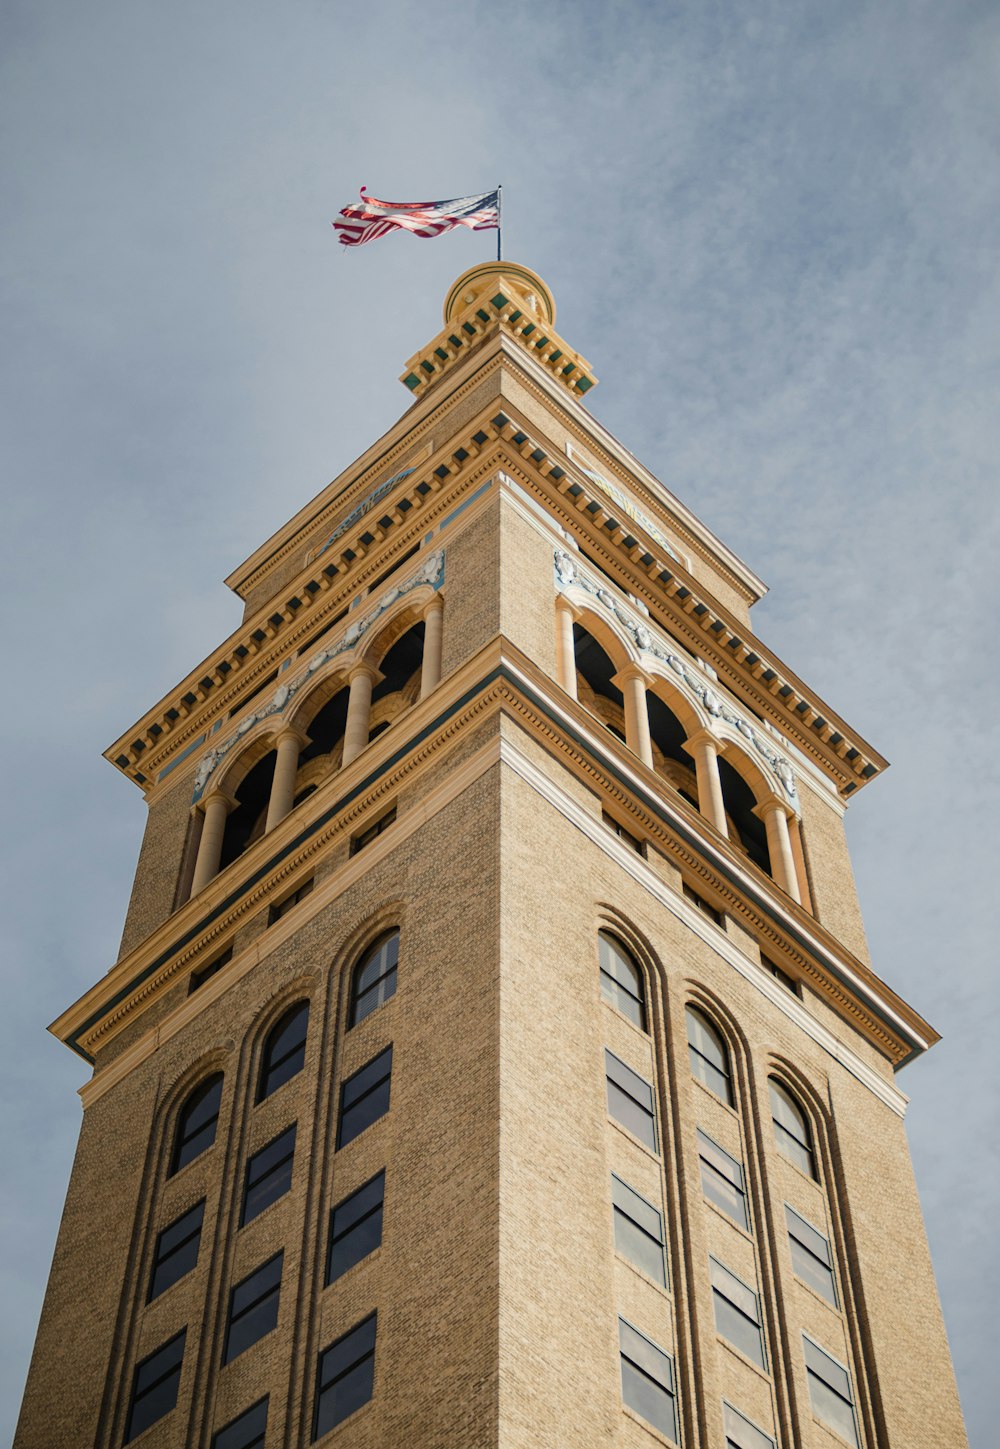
pixel 430 671
pixel 779 847
pixel 632 683
pixel 565 649
pixel 286 766
pixel 359 702
pixel 215 808
pixel 704 748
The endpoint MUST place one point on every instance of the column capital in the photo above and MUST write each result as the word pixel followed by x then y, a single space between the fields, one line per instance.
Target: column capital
pixel 631 671
pixel 287 732
pixel 434 605
pixel 217 797
pixel 362 668
pixel 567 606
pixel 772 806
pixel 706 739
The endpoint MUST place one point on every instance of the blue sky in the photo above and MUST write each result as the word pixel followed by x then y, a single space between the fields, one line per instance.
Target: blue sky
pixel 770 227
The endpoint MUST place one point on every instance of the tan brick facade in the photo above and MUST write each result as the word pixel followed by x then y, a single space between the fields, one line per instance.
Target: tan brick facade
pixel 497 1283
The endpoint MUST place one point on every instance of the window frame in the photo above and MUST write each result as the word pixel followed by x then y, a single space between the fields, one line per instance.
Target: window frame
pixel 833 1297
pixel 385 1080
pixel 740 1187
pixel 289 1157
pixel 353 1225
pixel 812 1373
pixel 271 1291
pixel 617 992
pixel 805 1159
pixel 159 1260
pixel 756 1439
pixel 269 1067
pixel 219 1442
pixel 650 1112
pixel 695 1015
pixel 667 1389
pixel 352 1367
pixel 718 1292
pixel 382 944
pixel 132 1432
pixel 619 1209
pixel 183 1139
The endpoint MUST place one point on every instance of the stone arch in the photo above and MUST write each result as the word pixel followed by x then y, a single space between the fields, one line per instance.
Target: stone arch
pixel 303 988
pixel 390 916
pixel 607 632
pixel 673 719
pixel 745 788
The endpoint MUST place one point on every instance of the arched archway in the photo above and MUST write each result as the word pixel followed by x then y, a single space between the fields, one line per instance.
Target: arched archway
pixel 595 671
pixel 746 829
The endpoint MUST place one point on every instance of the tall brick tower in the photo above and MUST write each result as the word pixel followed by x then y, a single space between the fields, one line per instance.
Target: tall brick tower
pixel 493 1057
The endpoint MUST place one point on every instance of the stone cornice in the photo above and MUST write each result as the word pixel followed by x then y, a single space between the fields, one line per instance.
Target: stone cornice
pixel 500 679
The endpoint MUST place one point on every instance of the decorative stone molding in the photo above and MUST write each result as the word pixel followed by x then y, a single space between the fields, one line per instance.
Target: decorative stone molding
pixel 430 571
pixel 569 574
pixel 630 509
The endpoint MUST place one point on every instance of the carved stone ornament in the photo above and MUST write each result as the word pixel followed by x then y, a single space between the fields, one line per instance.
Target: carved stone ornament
pixel 568 572
pixel 429 571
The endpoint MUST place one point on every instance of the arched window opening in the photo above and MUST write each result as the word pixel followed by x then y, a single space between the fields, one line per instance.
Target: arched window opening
pixel 400 685
pixel 594 671
pixel 284 1050
pixel 197 1123
pixel 245 823
pixel 326 730
pixel 304 795
pixel 708 1056
pixel 746 828
pixel 791 1129
pixel 670 759
pixel 621 979
pixel 374 978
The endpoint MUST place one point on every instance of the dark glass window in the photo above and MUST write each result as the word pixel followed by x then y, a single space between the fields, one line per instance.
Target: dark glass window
pixel 205 973
pixel 830 1392
pixel 176 1250
pixel 246 1432
pixel 355 1227
pixel 629 839
pixel 253 1307
pixel 647 1380
pixel 638 1231
pixel 788 982
pixel 740 1433
pixel 275 913
pixel 269 1175
pixel 811 1256
pixel 346 1377
pixel 722 1180
pixel 696 900
pixel 364 1097
pixel 737 1313
pixel 366 836
pixel 791 1130
pixel 630 1100
pixel 197 1122
pixel 374 978
pixel 284 1050
pixel 708 1056
pixel 621 980
pixel 154 1387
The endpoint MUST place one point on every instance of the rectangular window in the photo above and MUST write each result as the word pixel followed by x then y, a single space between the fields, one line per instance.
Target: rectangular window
pixel 246 1432
pixel 647 1380
pixel 154 1387
pixel 692 895
pixel 737 1313
pixel 630 1100
pixel 638 1231
pixel 346 1377
pixel 205 973
pixel 364 1097
pixel 812 1260
pixel 740 1433
pixel 788 982
pixel 366 836
pixel 176 1250
pixel 269 1175
pixel 283 907
pixel 830 1392
pixel 722 1180
pixel 355 1227
pixel 253 1308
pixel 623 835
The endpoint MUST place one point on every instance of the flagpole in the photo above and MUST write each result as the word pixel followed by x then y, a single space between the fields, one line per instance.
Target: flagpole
pixel 500 223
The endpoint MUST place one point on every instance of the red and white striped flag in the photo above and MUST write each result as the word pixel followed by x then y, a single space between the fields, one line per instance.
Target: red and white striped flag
pixel 367 219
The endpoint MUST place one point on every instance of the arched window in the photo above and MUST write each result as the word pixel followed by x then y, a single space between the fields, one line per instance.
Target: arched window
pixel 284 1050
pixel 709 1058
pixel 374 978
pixel 197 1122
pixel 791 1129
pixel 621 979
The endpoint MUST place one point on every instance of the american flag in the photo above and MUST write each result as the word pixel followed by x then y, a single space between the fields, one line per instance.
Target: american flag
pixel 367 219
